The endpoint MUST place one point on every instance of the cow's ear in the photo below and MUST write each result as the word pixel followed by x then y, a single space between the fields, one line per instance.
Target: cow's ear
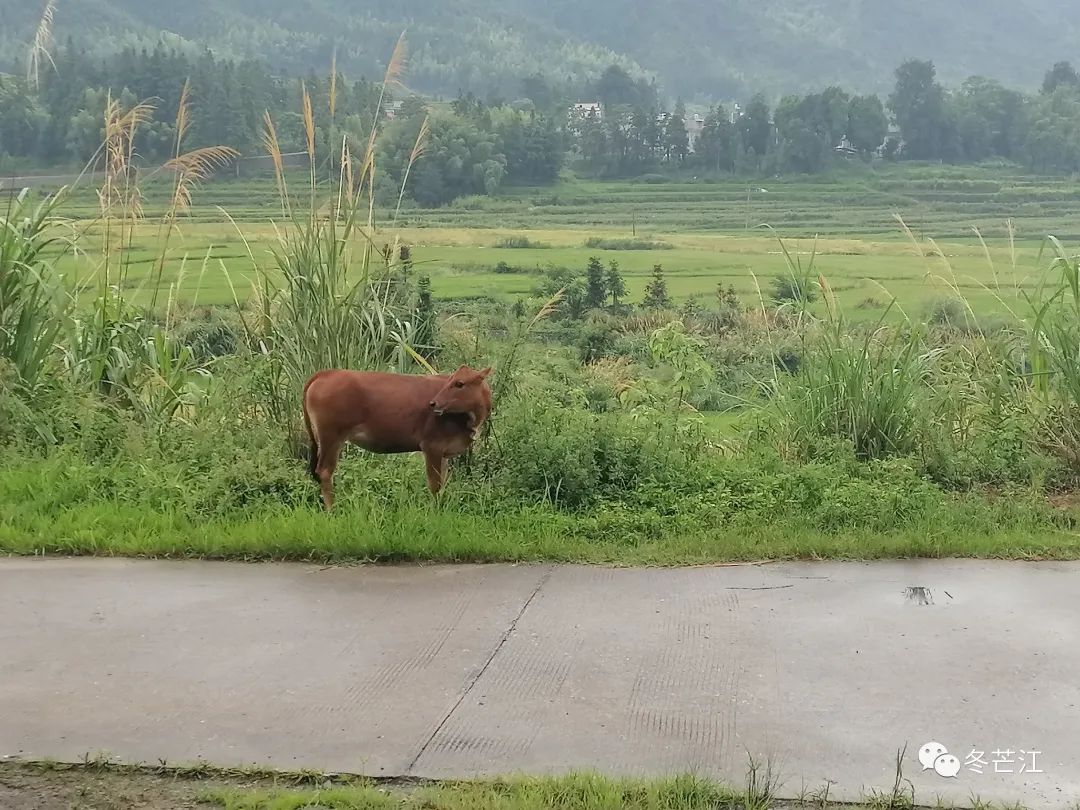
pixel 485 373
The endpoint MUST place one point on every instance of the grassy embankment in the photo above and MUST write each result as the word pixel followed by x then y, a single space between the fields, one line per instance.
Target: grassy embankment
pixel 850 425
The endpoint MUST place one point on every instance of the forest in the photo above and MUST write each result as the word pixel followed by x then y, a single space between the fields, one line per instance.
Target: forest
pixel 476 147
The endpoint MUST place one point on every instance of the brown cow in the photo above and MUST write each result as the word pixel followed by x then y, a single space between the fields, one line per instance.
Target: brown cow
pixel 438 415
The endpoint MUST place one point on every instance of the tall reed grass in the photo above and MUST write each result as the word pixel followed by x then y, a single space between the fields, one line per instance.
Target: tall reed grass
pixel 1010 388
pixel 1054 356
pixel 88 333
pixel 331 297
pixel 31 299
pixel 859 387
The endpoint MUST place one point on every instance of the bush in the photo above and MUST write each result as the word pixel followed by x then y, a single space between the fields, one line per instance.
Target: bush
pixel 599 338
pixel 602 243
pixel 520 242
pixel 950 313
pixel 563 454
pixel 789 289
pixel 861 391
pixel 211 332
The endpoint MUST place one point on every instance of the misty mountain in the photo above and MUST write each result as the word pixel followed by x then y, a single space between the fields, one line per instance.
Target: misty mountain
pixel 715 48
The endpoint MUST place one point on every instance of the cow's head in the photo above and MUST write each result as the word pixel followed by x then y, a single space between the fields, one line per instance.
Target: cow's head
pixel 466 391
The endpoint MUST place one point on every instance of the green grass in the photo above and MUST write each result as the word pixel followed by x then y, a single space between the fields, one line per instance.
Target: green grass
pixel 415 528
pixel 98 784
pixel 462 265
pixel 721 424
pixel 946 201
pixel 574 792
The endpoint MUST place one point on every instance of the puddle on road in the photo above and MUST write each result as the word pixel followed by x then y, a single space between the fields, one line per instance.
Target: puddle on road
pixel 919 595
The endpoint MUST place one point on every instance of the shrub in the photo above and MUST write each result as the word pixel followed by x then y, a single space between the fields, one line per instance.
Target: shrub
pixel 520 242
pixel 787 288
pixel 566 456
pixel 211 332
pixel 951 313
pixel 599 338
pixel 602 243
pixel 551 446
pixel 863 391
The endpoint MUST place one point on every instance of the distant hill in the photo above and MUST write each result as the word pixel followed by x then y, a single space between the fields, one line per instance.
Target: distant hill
pixel 715 48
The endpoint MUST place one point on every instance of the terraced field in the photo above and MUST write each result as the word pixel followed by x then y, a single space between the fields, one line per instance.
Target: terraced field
pixel 702 233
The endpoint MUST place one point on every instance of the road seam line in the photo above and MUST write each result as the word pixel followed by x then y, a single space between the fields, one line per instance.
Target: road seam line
pixel 483 669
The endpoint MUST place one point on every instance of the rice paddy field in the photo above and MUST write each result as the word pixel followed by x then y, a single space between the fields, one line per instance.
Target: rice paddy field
pixel 918 234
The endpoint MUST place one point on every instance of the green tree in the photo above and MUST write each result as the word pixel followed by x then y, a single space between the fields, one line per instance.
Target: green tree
pixel 573 290
pixel 460 158
pixel 867 123
pixel 1052 143
pixel 832 113
pixel 651 134
pixel 427 186
pixel 727 298
pixel 533 148
pixel 85 133
pixel 593 143
pixel 619 144
pixel 676 138
pixel 615 284
pixel 801 147
pixel 825 114
pixel 656 292
pixel 21 118
pixel 595 284
pixel 715 145
pixel 991 119
pixel 755 126
pixel 468 106
pixel 787 288
pixel 616 87
pixel 1062 74
pixel 808 128
pixel 643 136
pixel 539 91
pixel 918 104
pixel 227 100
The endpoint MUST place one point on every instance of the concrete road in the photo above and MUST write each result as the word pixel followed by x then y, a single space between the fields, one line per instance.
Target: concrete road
pixel 822 670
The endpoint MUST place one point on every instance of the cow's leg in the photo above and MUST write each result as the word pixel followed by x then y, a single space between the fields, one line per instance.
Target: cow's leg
pixel 329 453
pixel 436 469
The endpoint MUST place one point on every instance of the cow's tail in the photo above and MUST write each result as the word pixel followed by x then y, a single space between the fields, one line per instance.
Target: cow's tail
pixel 313 452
